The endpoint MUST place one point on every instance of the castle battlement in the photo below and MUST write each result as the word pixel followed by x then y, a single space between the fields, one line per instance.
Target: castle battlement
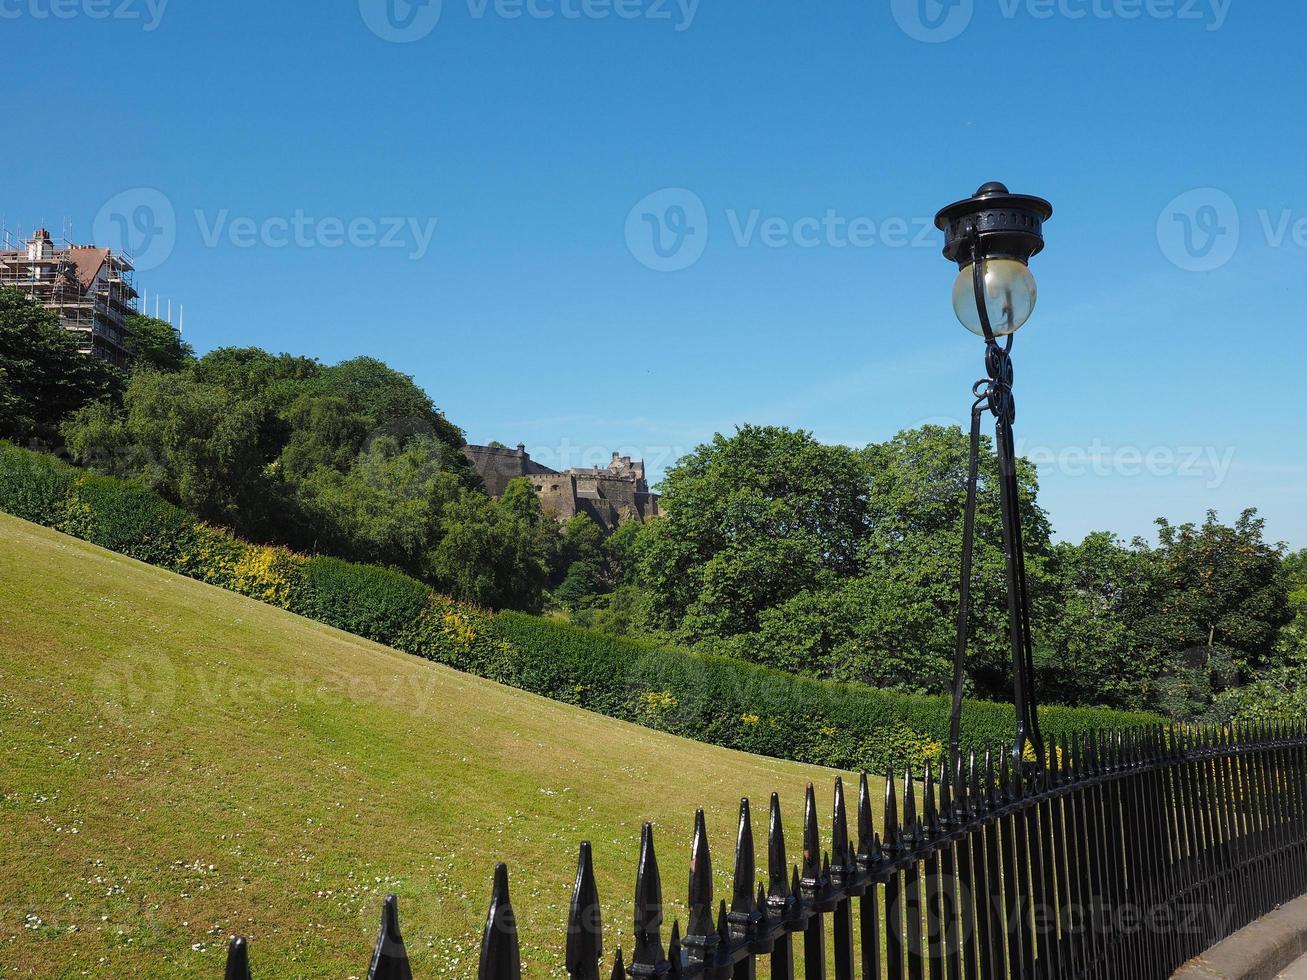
pixel 609 496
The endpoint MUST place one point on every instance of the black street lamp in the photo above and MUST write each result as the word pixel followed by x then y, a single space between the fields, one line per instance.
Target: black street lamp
pixel 992 236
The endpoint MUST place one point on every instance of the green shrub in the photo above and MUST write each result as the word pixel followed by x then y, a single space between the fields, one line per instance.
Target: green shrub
pixel 756 709
pixel 712 699
pixel 32 486
pixel 127 518
pixel 362 599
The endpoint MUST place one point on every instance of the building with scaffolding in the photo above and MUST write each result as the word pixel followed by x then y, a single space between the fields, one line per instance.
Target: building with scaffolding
pixel 89 288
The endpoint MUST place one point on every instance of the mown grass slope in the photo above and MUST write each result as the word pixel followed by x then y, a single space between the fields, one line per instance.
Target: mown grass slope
pixel 179 763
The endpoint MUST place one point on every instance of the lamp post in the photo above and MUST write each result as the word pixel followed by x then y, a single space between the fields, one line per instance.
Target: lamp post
pixel 992 237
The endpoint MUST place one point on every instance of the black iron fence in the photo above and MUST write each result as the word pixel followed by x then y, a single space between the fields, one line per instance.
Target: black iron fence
pixel 1121 857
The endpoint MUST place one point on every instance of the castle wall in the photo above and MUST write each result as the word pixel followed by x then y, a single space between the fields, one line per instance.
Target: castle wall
pixel 609 496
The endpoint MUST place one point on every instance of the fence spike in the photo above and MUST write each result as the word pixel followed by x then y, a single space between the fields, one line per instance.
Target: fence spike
pixel 674 949
pixel 1054 764
pixel 811 841
pixel 761 900
pixel 389 957
pixel 865 827
pixel 946 808
pixel 930 813
pixel 238 959
pixel 891 814
pixel 975 801
pixel 991 798
pixel 840 827
pixel 585 934
pixel 794 882
pixel 500 958
pixel 911 830
pixel 648 905
pixel 723 927
pixel 776 862
pixel 619 968
pixel 700 924
pixel 745 870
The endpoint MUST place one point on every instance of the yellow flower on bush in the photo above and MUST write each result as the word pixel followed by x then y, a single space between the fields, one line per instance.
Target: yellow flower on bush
pixel 266 574
pixel 750 719
pixel 657 702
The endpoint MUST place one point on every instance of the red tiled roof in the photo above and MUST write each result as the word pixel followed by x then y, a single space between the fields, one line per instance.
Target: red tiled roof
pixel 88 261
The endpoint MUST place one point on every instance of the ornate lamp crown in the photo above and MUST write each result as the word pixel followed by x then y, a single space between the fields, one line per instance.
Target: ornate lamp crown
pixel 1009 225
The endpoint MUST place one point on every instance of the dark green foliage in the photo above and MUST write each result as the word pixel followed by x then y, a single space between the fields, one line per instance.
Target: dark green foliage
pixel 156 344
pixel 753 520
pixel 362 599
pixel 33 486
pixel 491 555
pixel 837 563
pixel 127 518
pixel 740 705
pixel 1170 627
pixel 43 375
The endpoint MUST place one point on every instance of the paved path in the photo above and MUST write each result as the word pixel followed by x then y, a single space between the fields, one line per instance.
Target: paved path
pixel 1296 971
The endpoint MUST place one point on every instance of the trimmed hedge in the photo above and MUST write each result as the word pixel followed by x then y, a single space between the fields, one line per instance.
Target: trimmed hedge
pixel 712 699
pixel 376 603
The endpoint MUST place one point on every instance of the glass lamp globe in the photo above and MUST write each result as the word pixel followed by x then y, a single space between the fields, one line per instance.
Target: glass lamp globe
pixel 1010 295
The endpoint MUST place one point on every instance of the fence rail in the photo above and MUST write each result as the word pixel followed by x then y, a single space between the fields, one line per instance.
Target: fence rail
pixel 1125 855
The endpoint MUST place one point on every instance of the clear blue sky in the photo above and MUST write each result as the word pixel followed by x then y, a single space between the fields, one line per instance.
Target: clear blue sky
pixel 537 312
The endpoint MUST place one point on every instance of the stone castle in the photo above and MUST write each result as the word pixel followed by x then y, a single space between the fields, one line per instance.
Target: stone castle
pixel 609 496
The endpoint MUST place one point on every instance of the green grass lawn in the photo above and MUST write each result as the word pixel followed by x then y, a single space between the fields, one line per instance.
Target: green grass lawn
pixel 178 764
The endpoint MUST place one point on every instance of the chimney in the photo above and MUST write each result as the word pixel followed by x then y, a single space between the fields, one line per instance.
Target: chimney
pixel 39 247
pixel 521 449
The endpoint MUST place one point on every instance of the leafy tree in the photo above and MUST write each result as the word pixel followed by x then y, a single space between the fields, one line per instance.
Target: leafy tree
pixel 197 443
pixel 1279 692
pixel 1100 653
pixel 1222 586
pixel 157 344
pixel 1169 627
pixel 752 521
pixel 911 555
pixel 489 555
pixel 44 377
pixel 387 506
pixel 325 432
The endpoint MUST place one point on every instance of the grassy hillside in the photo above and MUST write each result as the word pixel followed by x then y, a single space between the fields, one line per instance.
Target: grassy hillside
pixel 180 763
